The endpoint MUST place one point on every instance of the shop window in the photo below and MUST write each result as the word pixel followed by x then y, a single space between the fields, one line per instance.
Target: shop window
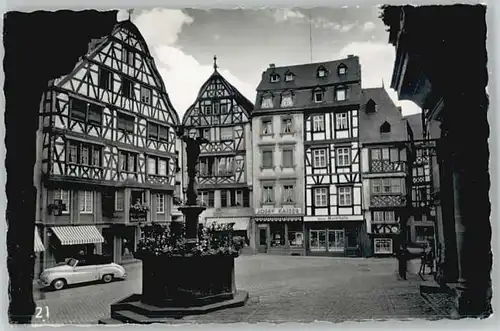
pixel 423 234
pixel 336 242
pixel 278 235
pixel 383 246
pixel 317 240
pixel 295 235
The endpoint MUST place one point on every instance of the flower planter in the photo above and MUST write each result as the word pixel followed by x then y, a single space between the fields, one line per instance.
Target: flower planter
pixel 187 281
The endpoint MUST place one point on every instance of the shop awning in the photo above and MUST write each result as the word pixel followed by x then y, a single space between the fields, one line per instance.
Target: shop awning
pixel 278 219
pixel 38 242
pixel 240 223
pixel 78 235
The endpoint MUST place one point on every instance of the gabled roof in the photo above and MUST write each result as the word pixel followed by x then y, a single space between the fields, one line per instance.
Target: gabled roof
pixel 415 122
pixel 386 111
pixel 98 44
pixel 305 74
pixel 246 104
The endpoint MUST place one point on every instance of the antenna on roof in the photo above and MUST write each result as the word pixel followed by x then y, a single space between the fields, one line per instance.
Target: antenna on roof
pixel 310 37
pixel 215 63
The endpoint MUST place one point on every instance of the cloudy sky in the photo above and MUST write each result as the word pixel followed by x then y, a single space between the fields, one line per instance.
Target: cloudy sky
pixel 183 43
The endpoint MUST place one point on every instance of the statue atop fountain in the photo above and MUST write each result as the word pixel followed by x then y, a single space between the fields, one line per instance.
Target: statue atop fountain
pixel 192 209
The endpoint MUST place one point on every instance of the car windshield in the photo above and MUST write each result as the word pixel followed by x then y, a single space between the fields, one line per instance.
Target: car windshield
pixel 71 262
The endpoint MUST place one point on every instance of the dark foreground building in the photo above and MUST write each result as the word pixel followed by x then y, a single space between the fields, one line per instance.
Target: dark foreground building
pixel 441 66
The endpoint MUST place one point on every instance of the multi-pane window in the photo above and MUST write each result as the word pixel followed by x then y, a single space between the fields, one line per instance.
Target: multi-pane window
pixel 86 200
pixel 105 79
pixel 125 123
pixel 288 77
pixel 120 200
pixel 318 97
pixel 287 158
pixel 267 126
pixel 127 87
pixel 345 195
pixel 321 73
pixel 275 78
pixel 268 194
pixel 223 198
pixel 386 185
pixel 384 216
pixel 226 133
pixel 288 194
pixel 318 123
pixel 317 240
pixel 342 70
pixel 341 94
pixel 207 109
pixel 160 203
pixel 84 154
pixel 225 166
pixel 286 125
pixel 287 100
pixel 207 198
pixel 319 158
pixel 320 196
pixel 211 198
pixel 128 56
pixel 157 166
pixel 267 102
pixel 145 95
pixel 341 122
pixel 127 161
pixel 85 112
pixel 157 132
pixel 343 157
pixel 63 195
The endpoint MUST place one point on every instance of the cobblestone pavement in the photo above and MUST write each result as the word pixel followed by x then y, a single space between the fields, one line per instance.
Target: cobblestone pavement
pixel 282 289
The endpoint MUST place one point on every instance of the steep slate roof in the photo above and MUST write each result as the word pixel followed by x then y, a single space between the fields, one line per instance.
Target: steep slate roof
pixel 415 122
pixel 305 75
pixel 386 111
pixel 306 80
pixel 246 104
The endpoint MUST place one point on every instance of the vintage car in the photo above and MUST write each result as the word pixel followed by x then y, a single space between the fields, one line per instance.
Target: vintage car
pixel 80 270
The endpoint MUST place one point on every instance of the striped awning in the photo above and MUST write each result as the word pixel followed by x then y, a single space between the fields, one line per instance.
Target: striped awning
pixel 278 219
pixel 38 242
pixel 240 223
pixel 78 235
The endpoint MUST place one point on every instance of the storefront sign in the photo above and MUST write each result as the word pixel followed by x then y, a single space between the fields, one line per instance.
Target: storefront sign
pixel 333 218
pixel 278 211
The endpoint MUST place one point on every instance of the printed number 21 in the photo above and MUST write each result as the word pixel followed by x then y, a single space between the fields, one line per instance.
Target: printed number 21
pixel 39 312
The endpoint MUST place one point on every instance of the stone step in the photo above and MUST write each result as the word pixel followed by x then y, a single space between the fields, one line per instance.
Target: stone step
pixel 431 286
pixel 130 317
pixel 109 321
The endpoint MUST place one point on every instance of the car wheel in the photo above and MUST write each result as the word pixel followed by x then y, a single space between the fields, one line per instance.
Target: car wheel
pixel 107 278
pixel 58 284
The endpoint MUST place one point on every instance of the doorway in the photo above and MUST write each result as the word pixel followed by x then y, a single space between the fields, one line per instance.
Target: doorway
pixel 262 244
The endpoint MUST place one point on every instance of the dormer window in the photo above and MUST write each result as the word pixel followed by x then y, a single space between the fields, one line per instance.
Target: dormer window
pixel 318 97
pixel 289 77
pixel 267 101
pixel 342 69
pixel 275 78
pixel 385 128
pixel 322 73
pixel 371 107
pixel 287 99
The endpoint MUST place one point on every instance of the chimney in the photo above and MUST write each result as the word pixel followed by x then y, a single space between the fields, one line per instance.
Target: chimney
pixel 349 56
pixel 272 65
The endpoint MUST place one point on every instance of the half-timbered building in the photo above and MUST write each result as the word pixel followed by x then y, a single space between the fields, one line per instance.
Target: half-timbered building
pixel 334 218
pixel 107 150
pixel 278 163
pixel 424 168
pixel 221 114
pixel 383 138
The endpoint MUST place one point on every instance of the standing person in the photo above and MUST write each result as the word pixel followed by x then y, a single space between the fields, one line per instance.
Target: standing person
pixel 402 262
